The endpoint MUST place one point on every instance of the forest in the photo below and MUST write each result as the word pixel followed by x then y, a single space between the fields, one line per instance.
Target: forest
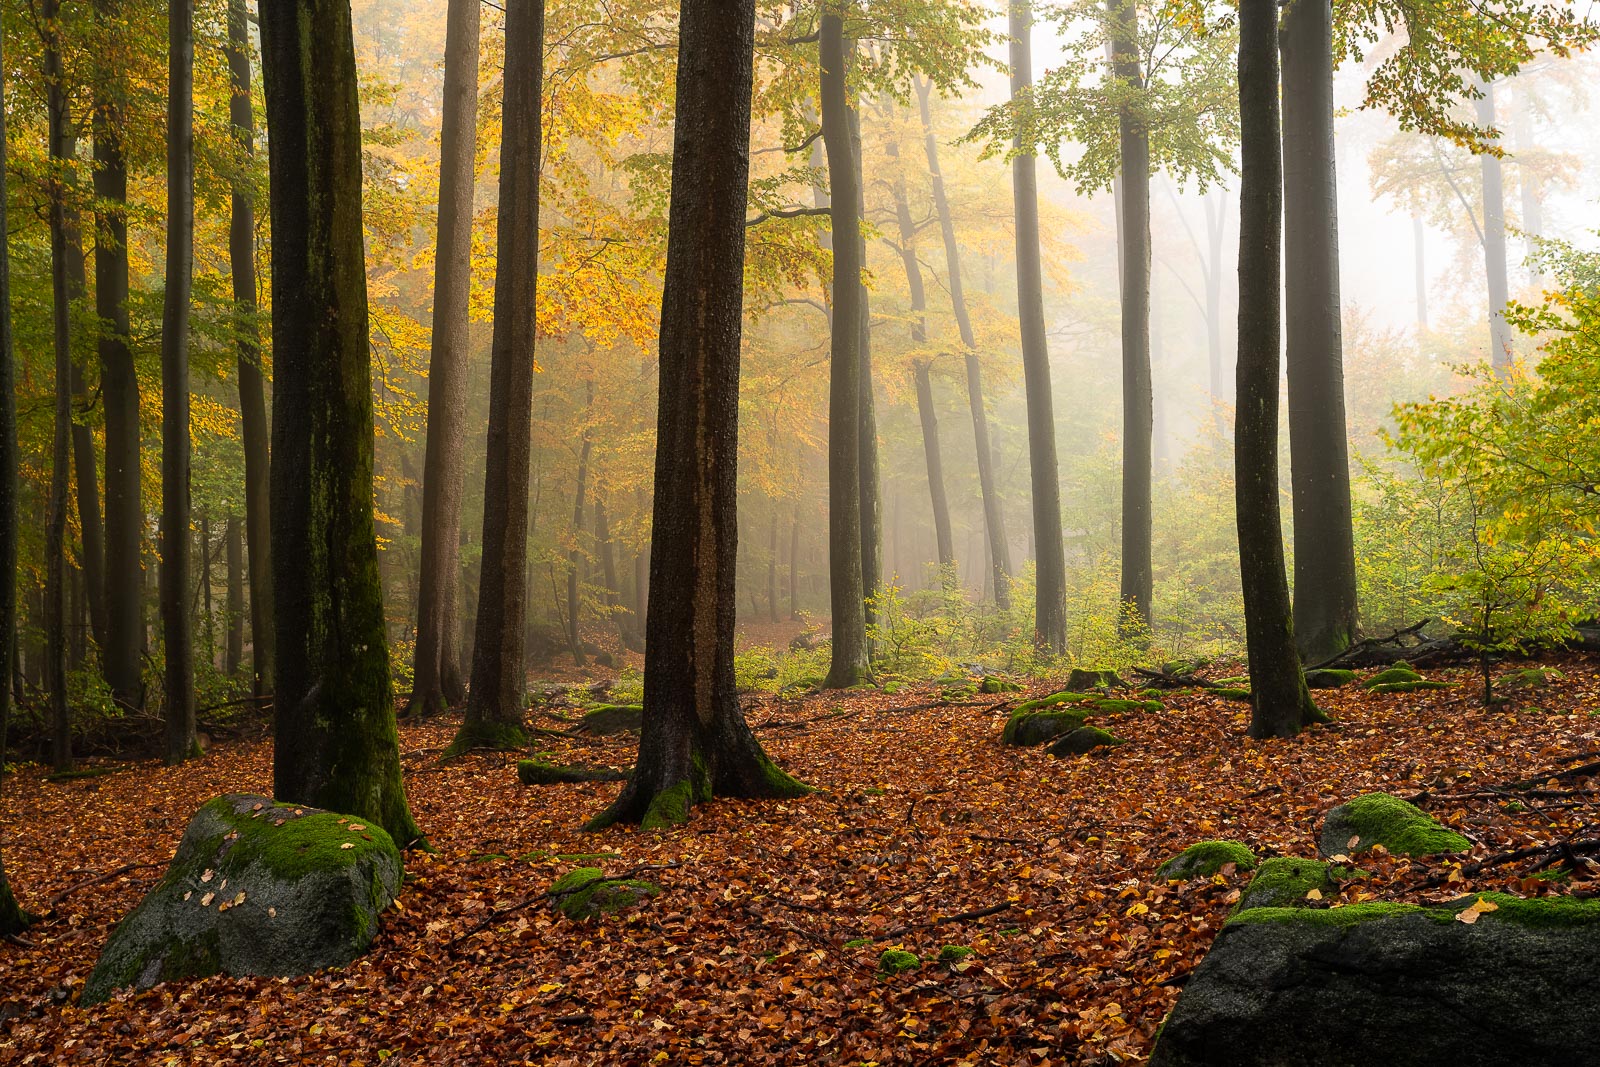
pixel 850 532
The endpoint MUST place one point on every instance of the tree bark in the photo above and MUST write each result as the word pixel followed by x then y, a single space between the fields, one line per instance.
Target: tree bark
pixel 772 565
pixel 91 527
pixel 495 700
pixel 55 583
pixel 1324 536
pixel 845 520
pixel 119 386
pixel 1137 402
pixel 794 566
pixel 695 743
pixel 1050 608
pixel 1494 239
pixel 233 654
pixel 1280 702
pixel 254 427
pixel 177 621
pixel 333 705
pixel 436 666
pixel 871 485
pixel 575 556
pixel 993 512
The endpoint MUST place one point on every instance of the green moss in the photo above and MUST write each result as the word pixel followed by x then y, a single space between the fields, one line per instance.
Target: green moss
pixel 495 736
pixel 80 773
pixel 1533 677
pixel 1231 693
pixel 1329 678
pixel 1084 740
pixel 954 953
pixel 613 719
pixel 670 807
pixel 1406 687
pixel 1349 915
pixel 1545 913
pixel 958 692
pixel 1401 827
pixel 1283 882
pixel 1238 681
pixel 542 772
pixel 1052 700
pixel 1205 858
pixel 858 942
pixel 1082 679
pixel 585 892
pixel 1400 672
pixel 1111 707
pixel 897 961
pixel 995 684
pixel 291 846
pixel 1037 727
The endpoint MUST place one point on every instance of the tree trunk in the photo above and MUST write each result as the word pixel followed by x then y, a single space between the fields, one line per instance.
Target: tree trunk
pixel 1494 240
pixel 608 571
pixel 119 386
pixel 436 667
pixel 203 587
pixel 55 583
pixel 1324 537
pixel 772 565
pixel 176 540
pixel 993 512
pixel 1528 183
pixel 1050 618
pixel 794 566
pixel 1421 273
pixel 233 655
pixel 495 700
pixel 255 430
pixel 1216 222
pixel 845 520
pixel 695 743
pixel 575 557
pixel 1280 703
pixel 871 486
pixel 1137 403
pixel 91 527
pixel 334 700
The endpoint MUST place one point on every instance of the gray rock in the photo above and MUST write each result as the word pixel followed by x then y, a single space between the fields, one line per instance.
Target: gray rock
pixel 256 888
pixel 610 719
pixel 1394 984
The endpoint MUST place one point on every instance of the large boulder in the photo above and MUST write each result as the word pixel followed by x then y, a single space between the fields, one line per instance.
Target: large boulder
pixel 1029 727
pixel 1383 819
pixel 256 888
pixel 1394 984
pixel 608 719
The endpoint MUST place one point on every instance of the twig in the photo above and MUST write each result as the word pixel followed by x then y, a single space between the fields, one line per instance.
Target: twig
pixel 98 879
pixel 965 916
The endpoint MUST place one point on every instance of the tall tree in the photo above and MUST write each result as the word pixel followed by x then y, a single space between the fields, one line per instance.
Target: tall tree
pixel 1050 578
pixel 695 743
pixel 336 744
pixel 12 918
pixel 233 655
pixel 867 411
pixel 437 670
pixel 176 543
pixel 1133 153
pixel 55 585
pixel 1319 462
pixel 1494 233
pixel 254 428
pixel 993 513
pixel 495 700
pixel 845 579
pixel 1280 702
pixel 119 381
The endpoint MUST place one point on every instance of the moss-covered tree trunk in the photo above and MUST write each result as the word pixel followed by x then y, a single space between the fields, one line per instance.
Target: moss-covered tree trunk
pixel 695 743
pixel 437 671
pixel 1050 579
pixel 334 699
pixel 254 429
pixel 1280 702
pixel 495 700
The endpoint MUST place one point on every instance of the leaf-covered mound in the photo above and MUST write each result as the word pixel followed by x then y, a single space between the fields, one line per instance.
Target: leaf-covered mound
pixel 1205 858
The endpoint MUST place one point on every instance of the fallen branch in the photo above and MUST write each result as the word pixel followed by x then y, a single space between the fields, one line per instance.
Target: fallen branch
pixel 961 917
pixel 99 879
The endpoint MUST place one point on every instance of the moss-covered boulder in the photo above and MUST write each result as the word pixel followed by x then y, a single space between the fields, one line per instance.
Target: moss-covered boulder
pixel 1053 700
pixel 1400 672
pixel 256 888
pixel 1394 984
pixel 1084 740
pixel 993 683
pixel 1383 819
pixel 1083 679
pixel 1329 678
pixel 1112 705
pixel 584 892
pixel 1205 858
pixel 1531 678
pixel 1286 882
pixel 610 719
pixel 543 772
pixel 1407 687
pixel 1231 692
pixel 1028 728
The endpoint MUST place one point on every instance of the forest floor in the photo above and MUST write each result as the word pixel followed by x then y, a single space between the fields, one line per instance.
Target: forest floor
pixel 764 944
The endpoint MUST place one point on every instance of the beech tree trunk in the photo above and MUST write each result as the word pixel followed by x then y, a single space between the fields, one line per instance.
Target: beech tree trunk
pixel 119 386
pixel 1494 239
pixel 695 743
pixel 1280 702
pixel 91 528
pixel 436 668
pixel 55 532
pixel 846 572
pixel 575 557
pixel 1050 608
pixel 993 512
pixel 177 622
pixel 772 565
pixel 254 427
pixel 1138 418
pixel 495 702
pixel 336 744
pixel 1324 532
pixel 871 486
pixel 233 654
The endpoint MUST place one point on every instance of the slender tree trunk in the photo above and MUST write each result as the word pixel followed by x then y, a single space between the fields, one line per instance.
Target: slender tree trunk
pixel 1418 245
pixel 845 520
pixel 119 386
pixel 495 701
pixel 233 656
pixel 871 487
pixel 1280 703
pixel 695 743
pixel 1494 240
pixel 336 744
pixel 91 528
pixel 1050 619
pixel 575 557
pixel 12 918
pixel 1324 536
pixel 436 667
pixel 55 583
pixel 176 543
pixel 993 512
pixel 255 429
pixel 772 565
pixel 608 571
pixel 794 566
pixel 1216 222
pixel 1137 414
